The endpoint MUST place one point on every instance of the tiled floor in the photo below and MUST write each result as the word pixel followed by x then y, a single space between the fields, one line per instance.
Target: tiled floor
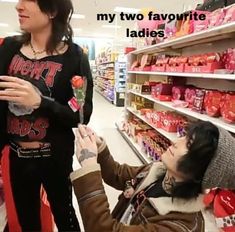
pixel 103 122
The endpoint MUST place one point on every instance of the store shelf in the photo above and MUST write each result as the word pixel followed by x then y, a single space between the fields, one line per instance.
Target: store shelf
pixel 108 99
pixel 108 62
pixel 217 121
pixel 170 136
pixel 136 148
pixel 206 36
pixel 230 77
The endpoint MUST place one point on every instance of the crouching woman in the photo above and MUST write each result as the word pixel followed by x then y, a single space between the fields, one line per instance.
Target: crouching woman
pixel 163 196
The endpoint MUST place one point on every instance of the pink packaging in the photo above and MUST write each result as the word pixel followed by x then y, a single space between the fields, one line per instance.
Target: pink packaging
pixel 228 60
pixel 190 94
pixel 229 14
pixel 178 92
pixel 200 25
pixel 216 18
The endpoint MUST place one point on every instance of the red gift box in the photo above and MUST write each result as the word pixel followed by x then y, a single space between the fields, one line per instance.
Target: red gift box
pixel 171 121
pixel 157 118
pixel 228 108
pixel 162 92
pixel 199 100
pixel 148 116
pixel 212 103
pixel 144 111
pixel 129 49
pixel 178 92
pixel 206 63
pixel 160 65
pixel 155 68
pixel 190 94
pixel 208 68
pixel 228 59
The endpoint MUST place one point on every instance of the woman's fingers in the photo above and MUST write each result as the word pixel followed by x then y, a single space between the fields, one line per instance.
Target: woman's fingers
pixel 11 85
pixel 11 99
pixel 84 133
pixel 13 79
pixel 79 138
pixel 13 93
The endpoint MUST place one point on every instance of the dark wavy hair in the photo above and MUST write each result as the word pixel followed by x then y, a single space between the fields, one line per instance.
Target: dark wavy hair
pixel 202 143
pixel 61 28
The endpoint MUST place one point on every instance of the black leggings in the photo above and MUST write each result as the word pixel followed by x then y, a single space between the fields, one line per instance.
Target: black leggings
pixel 27 175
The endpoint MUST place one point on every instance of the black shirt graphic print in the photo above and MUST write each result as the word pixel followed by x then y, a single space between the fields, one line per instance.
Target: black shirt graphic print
pixel 25 125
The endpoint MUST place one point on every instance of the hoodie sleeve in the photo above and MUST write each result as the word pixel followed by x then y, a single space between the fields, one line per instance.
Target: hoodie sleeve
pixel 63 113
pixel 8 47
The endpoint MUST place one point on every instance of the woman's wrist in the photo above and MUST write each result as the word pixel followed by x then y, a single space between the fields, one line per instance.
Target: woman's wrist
pixel 37 102
pixel 89 162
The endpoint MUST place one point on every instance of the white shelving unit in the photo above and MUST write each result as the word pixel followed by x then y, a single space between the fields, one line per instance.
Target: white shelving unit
pixel 120 80
pixel 213 34
pixel 222 37
pixel 170 136
pixel 105 83
pixel 142 156
pixel 229 77
pixel 217 121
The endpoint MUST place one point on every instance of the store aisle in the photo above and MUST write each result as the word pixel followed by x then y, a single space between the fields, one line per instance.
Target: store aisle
pixel 103 122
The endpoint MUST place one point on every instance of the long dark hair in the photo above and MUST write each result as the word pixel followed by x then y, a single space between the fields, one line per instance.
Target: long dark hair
pixel 61 28
pixel 202 144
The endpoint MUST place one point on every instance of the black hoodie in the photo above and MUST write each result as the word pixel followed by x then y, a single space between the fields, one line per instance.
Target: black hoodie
pixel 61 118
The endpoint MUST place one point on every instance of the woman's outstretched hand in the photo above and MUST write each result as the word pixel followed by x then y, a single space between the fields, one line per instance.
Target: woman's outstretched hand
pixel 86 145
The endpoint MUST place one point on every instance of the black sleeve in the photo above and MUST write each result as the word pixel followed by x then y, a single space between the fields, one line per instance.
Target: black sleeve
pixel 3 125
pixel 88 107
pixel 63 113
pixel 7 50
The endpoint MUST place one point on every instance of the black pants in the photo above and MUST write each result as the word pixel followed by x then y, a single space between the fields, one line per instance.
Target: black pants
pixel 27 175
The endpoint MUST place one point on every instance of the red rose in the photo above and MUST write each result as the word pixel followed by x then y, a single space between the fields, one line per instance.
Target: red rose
pixel 77 82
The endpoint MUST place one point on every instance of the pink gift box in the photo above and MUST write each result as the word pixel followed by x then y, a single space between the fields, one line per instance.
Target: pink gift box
pixel 229 14
pixel 155 68
pixel 178 92
pixel 208 68
pixel 216 18
pixel 178 68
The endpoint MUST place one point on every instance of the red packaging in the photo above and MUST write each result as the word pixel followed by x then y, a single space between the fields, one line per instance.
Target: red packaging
pixel 199 100
pixel 171 121
pixel 144 111
pixel 178 92
pixel 228 60
pixel 162 90
pixel 148 115
pixel 176 64
pixel 160 65
pixel 228 108
pixel 190 94
pixel 206 63
pixel 157 119
pixel 129 49
pixel 212 103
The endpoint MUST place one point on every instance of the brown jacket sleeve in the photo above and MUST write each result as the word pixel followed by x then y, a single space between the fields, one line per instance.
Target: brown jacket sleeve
pixel 95 212
pixel 113 173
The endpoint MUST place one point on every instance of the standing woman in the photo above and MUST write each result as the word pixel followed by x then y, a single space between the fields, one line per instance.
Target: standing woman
pixel 36 70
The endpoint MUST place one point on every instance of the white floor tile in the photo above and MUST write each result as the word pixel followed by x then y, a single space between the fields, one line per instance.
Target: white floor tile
pixel 103 122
